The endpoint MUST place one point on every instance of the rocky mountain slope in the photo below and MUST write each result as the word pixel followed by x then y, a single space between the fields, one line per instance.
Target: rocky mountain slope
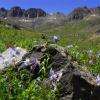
pixel 80 13
pixel 19 12
pixel 37 19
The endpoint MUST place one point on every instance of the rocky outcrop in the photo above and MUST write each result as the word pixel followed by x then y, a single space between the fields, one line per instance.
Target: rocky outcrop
pixel 15 12
pixel 75 83
pixel 80 13
pixel 33 12
pixel 3 12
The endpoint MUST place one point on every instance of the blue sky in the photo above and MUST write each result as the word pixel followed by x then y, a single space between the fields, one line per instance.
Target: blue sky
pixel 65 6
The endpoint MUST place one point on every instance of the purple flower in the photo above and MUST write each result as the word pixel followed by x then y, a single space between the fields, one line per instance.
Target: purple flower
pixel 55 76
pixel 51 72
pixel 59 75
pixel 12 53
pixel 55 38
pixel 26 62
pixel 98 80
pixel 51 78
pixel 34 62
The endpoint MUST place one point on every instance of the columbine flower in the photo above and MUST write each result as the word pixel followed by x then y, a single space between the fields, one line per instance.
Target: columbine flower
pixel 54 86
pixel 34 62
pixel 98 80
pixel 55 76
pixel 55 38
pixel 26 62
pixel 59 74
pixel 51 72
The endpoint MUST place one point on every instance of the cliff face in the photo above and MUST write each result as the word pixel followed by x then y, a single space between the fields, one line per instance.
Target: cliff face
pixel 19 12
pixel 80 13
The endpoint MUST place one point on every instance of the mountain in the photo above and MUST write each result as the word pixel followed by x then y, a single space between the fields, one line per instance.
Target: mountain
pixel 38 19
pixel 19 12
pixel 80 13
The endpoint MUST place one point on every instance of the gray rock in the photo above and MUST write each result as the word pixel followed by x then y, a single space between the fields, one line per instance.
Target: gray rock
pixel 76 83
pixel 11 57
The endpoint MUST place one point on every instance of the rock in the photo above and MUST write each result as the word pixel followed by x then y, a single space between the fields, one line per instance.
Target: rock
pixel 19 12
pixel 33 12
pixel 15 12
pixel 80 13
pixel 10 57
pixel 3 12
pixel 75 81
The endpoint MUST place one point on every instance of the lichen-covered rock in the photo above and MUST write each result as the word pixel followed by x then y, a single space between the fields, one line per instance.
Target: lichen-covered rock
pixel 11 56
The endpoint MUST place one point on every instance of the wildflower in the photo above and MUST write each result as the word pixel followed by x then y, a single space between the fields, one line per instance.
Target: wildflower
pixel 55 76
pixel 59 74
pixel 26 62
pixel 52 75
pixel 51 72
pixel 34 62
pixel 98 80
pixel 55 38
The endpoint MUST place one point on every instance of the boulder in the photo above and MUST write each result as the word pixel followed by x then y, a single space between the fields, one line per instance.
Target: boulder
pixel 76 83
pixel 11 56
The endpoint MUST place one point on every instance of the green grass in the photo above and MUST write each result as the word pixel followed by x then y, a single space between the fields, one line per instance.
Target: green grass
pixel 29 90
